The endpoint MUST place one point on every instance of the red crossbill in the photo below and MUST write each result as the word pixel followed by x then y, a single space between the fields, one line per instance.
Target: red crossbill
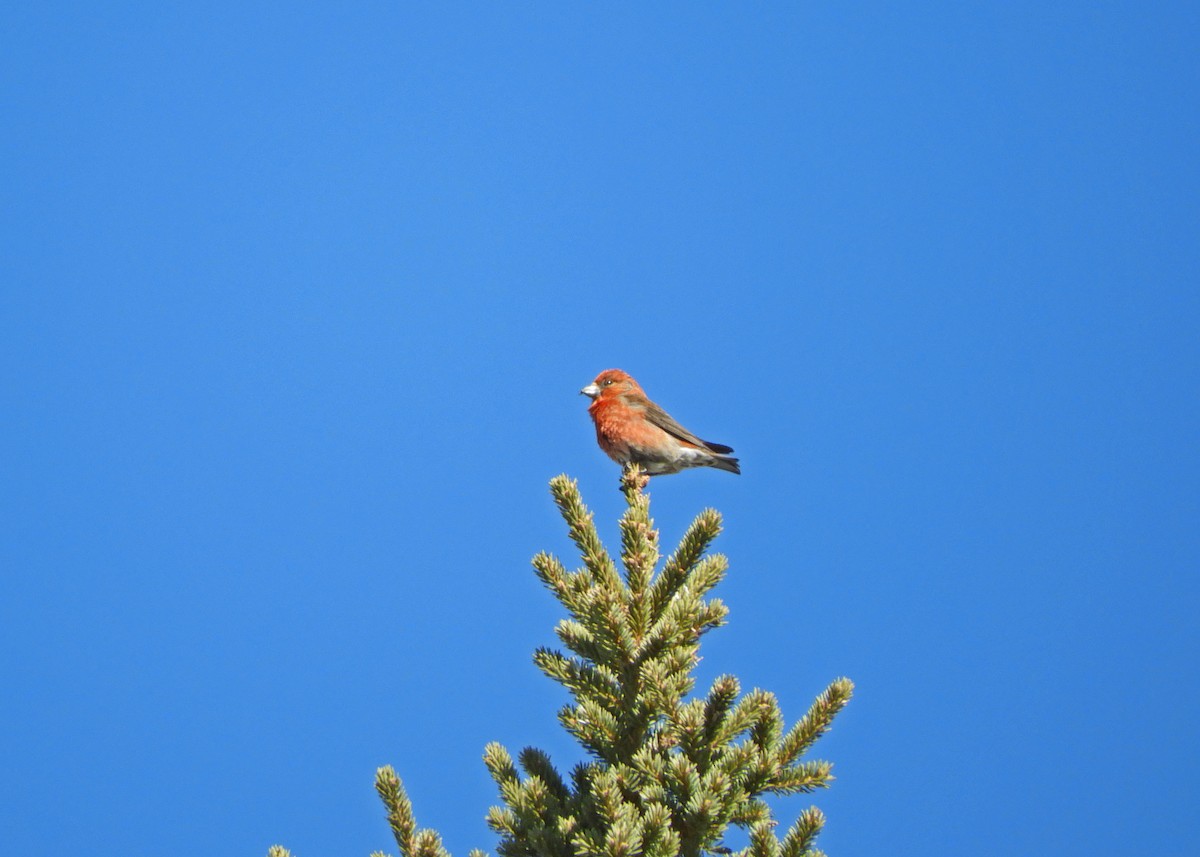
pixel 631 429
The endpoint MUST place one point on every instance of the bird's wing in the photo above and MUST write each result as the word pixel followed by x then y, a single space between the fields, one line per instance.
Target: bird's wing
pixel 658 417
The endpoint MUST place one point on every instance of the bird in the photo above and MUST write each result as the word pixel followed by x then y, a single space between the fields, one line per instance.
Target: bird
pixel 631 429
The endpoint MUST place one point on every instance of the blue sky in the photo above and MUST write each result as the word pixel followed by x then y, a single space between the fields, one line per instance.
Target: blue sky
pixel 297 300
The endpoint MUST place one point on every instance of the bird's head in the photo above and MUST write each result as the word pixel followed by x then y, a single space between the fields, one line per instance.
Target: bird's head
pixel 611 383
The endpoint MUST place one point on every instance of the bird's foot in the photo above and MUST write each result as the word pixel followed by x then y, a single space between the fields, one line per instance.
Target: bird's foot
pixel 634 480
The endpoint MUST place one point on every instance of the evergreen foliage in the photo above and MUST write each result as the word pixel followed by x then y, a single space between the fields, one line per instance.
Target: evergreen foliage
pixel 667 775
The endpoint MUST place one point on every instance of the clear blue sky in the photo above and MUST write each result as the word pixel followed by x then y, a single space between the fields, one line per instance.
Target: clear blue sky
pixel 297 300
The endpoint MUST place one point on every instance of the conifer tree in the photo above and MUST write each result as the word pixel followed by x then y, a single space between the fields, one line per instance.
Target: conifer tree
pixel 666 775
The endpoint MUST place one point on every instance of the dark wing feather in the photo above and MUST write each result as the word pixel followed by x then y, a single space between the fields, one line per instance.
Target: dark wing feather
pixel 658 417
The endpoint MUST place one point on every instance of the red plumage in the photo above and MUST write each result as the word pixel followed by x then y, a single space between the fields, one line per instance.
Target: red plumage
pixel 631 429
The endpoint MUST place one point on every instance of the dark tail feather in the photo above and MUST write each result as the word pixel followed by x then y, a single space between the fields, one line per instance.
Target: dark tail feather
pixel 725 462
pixel 719 448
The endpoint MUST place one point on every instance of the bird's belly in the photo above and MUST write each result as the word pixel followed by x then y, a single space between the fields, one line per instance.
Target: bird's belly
pixel 656 460
pixel 656 452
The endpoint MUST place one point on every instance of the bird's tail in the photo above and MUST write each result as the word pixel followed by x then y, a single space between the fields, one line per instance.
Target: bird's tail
pixel 725 462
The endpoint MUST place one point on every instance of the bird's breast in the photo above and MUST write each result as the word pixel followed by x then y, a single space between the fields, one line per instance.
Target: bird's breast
pixel 621 427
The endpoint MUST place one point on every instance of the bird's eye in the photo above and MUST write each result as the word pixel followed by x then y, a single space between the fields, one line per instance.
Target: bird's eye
pixel 607 382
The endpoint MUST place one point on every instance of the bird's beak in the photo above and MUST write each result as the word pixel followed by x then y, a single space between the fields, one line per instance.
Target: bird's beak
pixel 591 391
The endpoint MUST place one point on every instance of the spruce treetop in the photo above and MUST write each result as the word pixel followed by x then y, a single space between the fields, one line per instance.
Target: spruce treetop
pixel 666 775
